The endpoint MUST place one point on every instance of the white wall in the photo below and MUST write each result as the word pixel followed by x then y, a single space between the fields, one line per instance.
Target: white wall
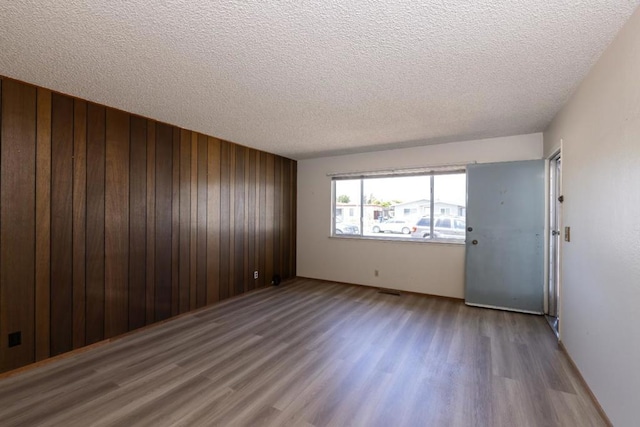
pixel 430 268
pixel 600 305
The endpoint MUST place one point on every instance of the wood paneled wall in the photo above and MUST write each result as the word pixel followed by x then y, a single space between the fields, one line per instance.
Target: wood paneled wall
pixel 110 221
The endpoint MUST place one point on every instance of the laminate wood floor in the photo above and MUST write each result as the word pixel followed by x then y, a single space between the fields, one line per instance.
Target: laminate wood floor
pixel 313 353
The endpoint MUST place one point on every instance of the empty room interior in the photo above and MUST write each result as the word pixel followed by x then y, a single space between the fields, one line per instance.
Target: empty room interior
pixel 320 213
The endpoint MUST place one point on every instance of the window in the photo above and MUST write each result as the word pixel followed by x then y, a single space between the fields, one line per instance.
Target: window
pixel 424 222
pixel 443 223
pixel 398 206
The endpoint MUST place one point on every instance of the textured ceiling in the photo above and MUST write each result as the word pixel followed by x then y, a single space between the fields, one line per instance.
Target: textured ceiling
pixel 316 77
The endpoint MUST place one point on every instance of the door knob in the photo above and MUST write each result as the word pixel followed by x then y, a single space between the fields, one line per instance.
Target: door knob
pixel 475 242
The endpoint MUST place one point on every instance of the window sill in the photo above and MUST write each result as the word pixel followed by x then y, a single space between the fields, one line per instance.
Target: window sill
pixel 408 240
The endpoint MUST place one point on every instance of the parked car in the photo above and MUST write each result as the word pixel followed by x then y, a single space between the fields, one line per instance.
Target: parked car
pixel 393 226
pixel 342 228
pixel 445 227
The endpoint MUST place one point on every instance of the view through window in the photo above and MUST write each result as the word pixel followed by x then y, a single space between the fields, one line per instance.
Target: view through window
pixel 401 207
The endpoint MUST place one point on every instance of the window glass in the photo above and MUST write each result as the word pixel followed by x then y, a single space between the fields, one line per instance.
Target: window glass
pixel 450 194
pixel 424 222
pixel 347 207
pixel 443 222
pixel 396 199
pixel 400 207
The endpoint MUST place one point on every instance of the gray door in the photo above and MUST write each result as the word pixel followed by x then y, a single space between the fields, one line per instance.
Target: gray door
pixel 505 235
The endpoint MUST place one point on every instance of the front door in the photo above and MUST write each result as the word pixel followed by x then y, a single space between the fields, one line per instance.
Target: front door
pixel 505 235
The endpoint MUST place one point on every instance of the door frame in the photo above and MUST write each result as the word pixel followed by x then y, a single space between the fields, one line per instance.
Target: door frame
pixel 550 204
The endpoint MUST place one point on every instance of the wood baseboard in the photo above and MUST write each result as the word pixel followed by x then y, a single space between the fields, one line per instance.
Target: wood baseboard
pixel 81 350
pixel 603 414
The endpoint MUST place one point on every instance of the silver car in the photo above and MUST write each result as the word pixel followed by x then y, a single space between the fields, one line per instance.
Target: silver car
pixel 393 226
pixel 342 228
pixel 445 227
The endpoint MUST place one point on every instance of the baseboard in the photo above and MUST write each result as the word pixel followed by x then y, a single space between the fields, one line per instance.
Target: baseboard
pixel 495 307
pixel 586 386
pixel 89 347
pixel 385 288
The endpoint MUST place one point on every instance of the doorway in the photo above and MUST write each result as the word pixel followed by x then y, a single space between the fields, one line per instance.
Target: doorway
pixel 555 223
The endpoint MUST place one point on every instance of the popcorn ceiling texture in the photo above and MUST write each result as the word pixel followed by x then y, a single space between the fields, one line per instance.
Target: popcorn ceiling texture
pixel 310 78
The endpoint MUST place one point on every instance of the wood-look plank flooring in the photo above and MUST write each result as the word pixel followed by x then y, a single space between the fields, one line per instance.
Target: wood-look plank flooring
pixel 313 353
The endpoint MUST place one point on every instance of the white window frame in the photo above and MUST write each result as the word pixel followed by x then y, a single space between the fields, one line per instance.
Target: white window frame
pixel 362 176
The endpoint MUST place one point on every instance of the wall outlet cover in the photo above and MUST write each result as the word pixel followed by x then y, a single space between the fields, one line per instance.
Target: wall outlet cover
pixel 15 339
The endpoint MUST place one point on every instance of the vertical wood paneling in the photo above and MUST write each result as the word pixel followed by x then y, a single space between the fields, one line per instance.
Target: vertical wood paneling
pixel 79 220
pixel 286 217
pixel 17 222
pixel 137 222
pixel 43 225
pixel 232 220
pixel 239 224
pixel 151 222
pixel 283 217
pixel 185 219
pixel 201 229
pixel 4 356
pixel 96 133
pixel 213 221
pixel 277 215
pixel 225 214
pixel 250 217
pixel 61 224
pixel 263 278
pixel 110 221
pixel 256 220
pixel 293 231
pixel 175 226
pixel 193 209
pixel 245 220
pixel 269 220
pixel 163 222
pixel 116 223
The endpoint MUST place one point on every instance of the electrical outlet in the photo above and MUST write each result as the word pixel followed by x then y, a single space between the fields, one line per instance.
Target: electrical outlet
pixel 255 274
pixel 15 338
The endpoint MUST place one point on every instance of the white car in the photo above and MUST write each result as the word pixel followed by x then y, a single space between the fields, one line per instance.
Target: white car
pixel 346 229
pixel 445 227
pixel 393 226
